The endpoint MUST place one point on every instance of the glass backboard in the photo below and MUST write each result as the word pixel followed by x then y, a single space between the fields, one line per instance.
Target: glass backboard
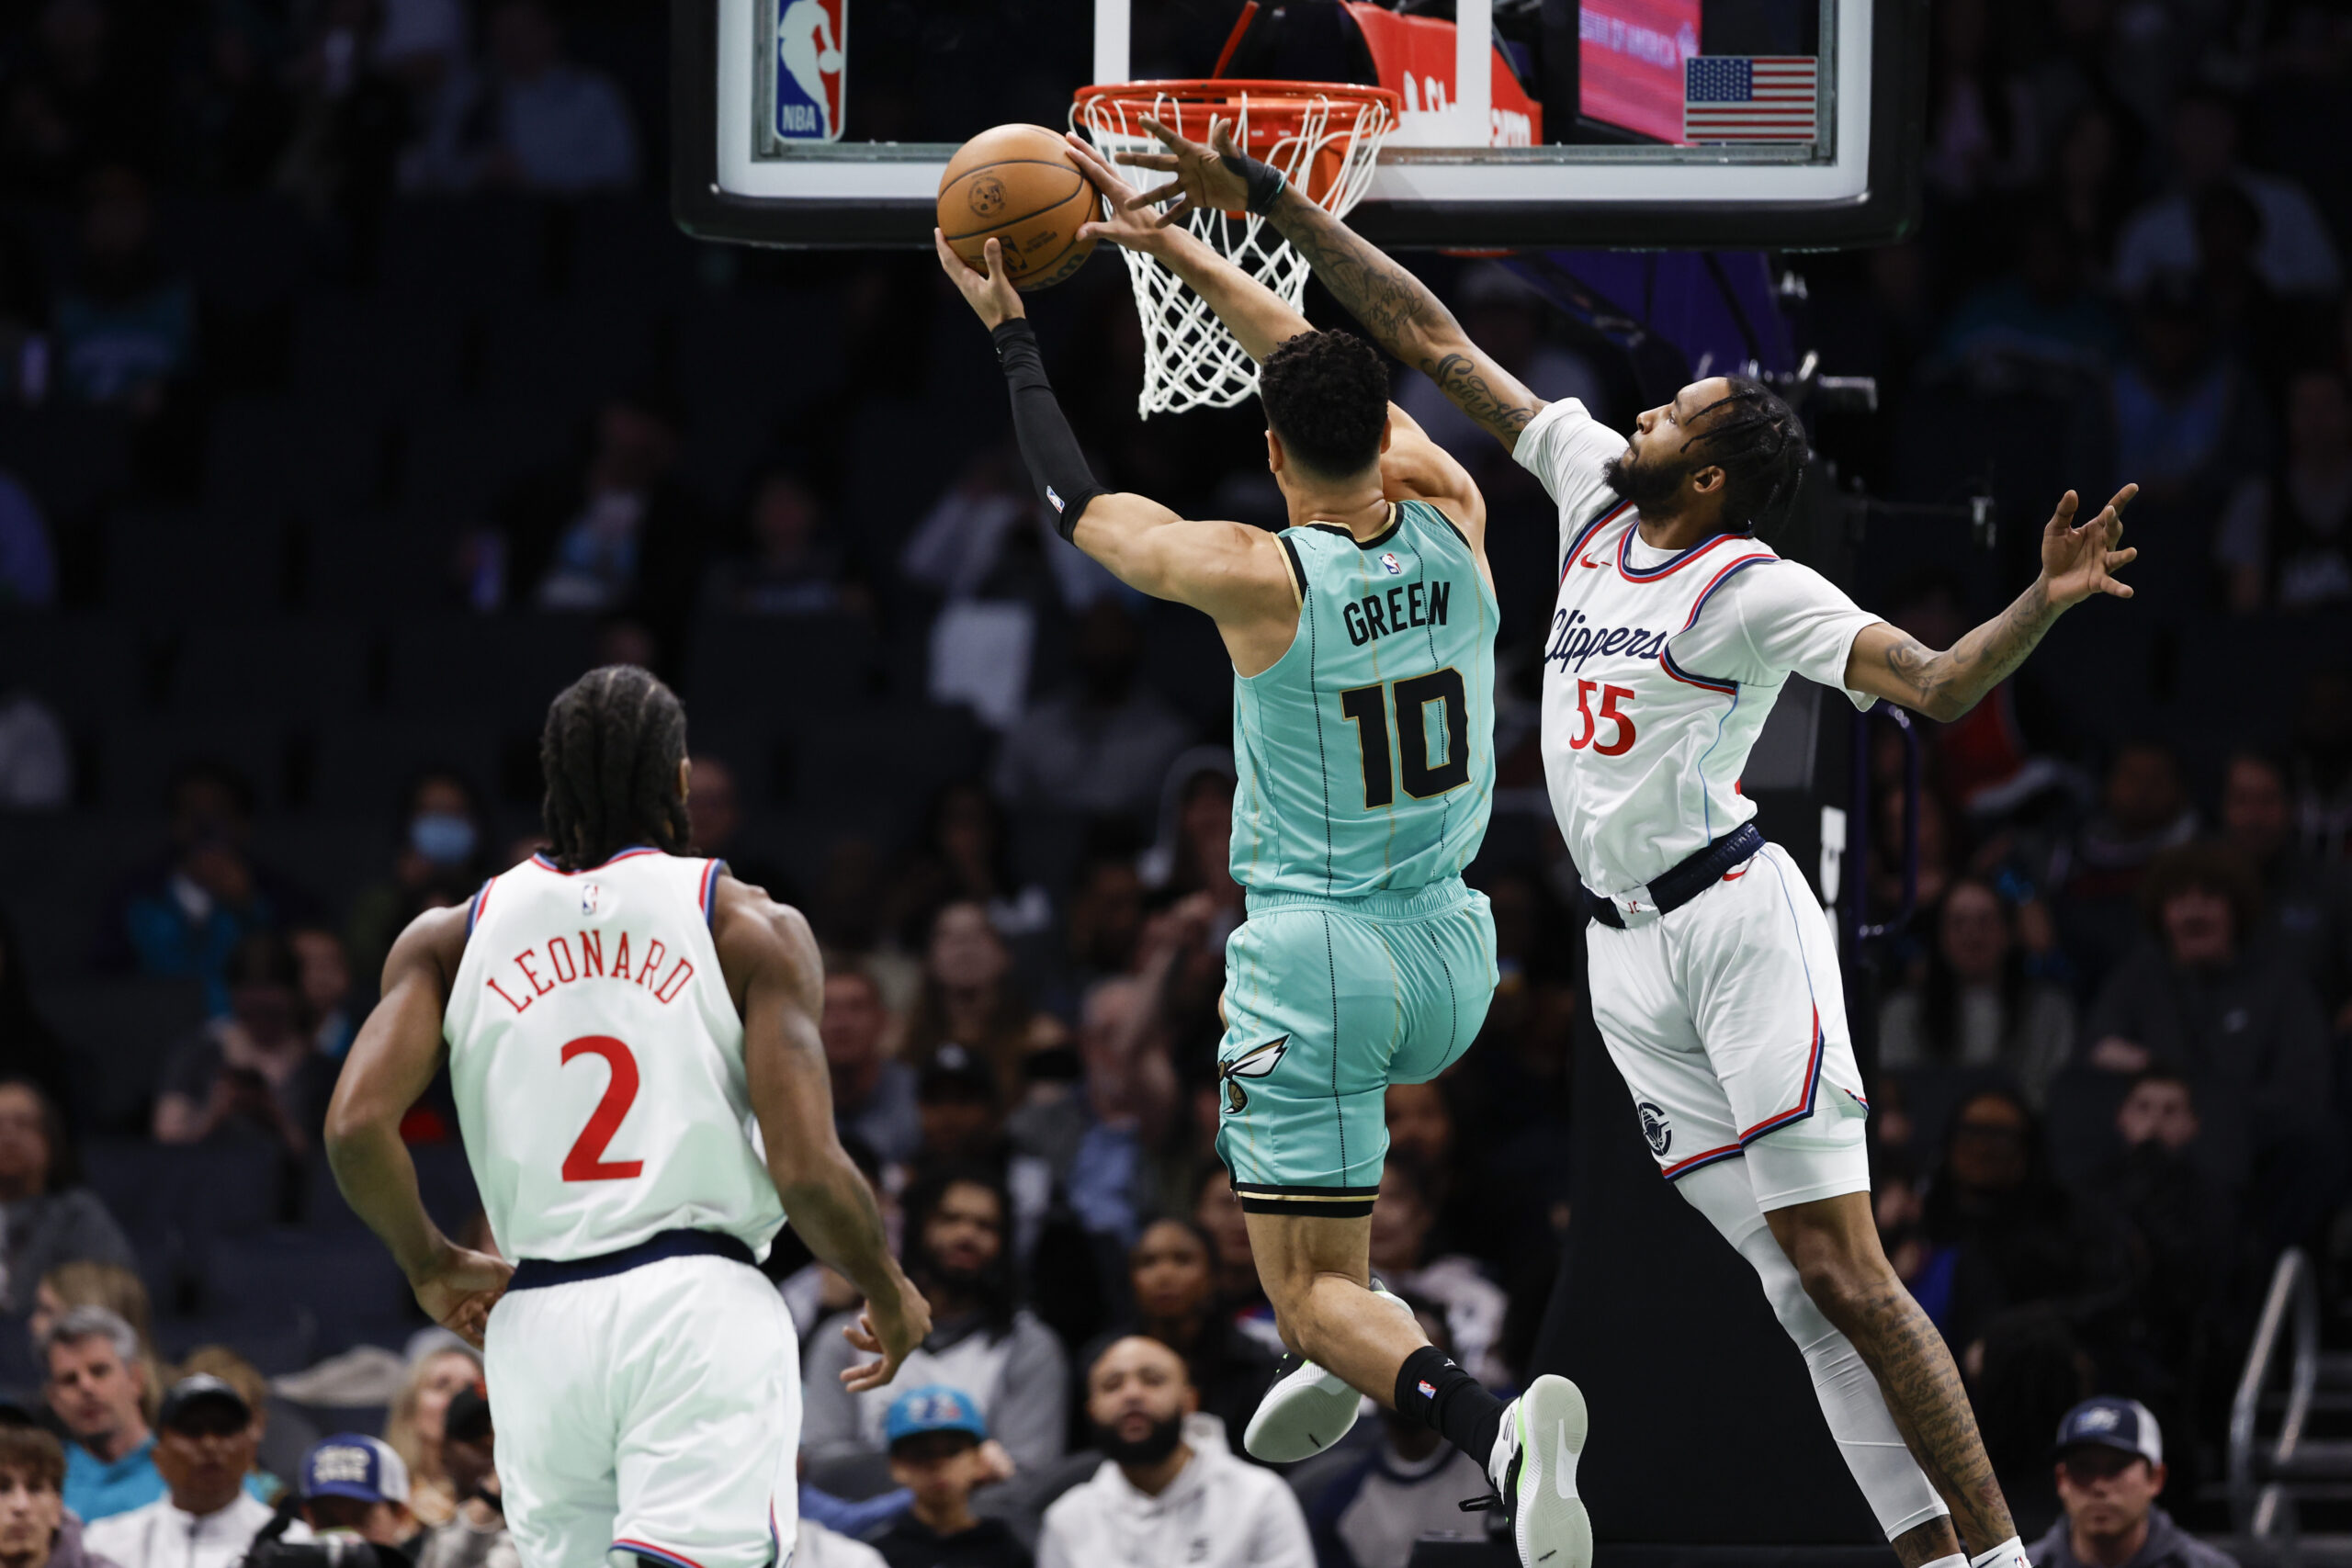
pixel 1788 124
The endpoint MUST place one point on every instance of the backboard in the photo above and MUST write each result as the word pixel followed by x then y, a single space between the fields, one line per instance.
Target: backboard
pixel 1652 124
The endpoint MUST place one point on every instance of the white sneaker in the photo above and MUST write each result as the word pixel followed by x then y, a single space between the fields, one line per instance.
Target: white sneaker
pixel 1534 1469
pixel 1308 1409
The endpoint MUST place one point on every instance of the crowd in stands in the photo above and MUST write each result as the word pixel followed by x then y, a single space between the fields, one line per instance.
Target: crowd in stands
pixel 356 394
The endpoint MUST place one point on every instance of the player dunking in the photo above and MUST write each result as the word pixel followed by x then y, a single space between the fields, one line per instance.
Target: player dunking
pixel 1361 637
pixel 618 1016
pixel 1713 974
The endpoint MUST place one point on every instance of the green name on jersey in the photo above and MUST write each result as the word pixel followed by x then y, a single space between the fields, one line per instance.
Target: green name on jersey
pixel 1379 615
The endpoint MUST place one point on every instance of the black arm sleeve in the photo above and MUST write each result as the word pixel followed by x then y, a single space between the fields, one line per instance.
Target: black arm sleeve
pixel 1064 480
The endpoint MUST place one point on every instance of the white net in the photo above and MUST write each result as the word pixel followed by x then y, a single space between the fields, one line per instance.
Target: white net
pixel 1326 143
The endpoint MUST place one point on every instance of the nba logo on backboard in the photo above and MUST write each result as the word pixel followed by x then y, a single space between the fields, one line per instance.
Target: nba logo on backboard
pixel 811 60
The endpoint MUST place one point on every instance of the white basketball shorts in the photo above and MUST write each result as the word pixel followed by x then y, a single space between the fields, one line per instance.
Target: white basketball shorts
pixel 1728 1019
pixel 653 1413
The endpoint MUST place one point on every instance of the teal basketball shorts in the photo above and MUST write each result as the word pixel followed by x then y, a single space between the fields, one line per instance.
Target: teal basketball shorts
pixel 1327 1003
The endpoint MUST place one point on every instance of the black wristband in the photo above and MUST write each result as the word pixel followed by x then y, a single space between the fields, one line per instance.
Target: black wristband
pixel 1266 183
pixel 1056 466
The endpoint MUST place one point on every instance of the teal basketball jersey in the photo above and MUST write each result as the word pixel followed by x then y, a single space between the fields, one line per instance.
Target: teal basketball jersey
pixel 1365 755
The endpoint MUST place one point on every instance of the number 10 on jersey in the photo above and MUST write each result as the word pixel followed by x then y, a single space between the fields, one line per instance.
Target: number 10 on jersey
pixel 1367 708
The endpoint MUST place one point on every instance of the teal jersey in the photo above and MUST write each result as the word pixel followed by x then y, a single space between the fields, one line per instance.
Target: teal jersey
pixel 1365 755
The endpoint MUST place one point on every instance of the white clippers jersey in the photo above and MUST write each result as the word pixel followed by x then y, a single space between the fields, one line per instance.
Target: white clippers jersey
pixel 1659 671
pixel 598 1061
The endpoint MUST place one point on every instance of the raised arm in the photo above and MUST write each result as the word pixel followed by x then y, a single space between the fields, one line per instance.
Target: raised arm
pixel 1396 307
pixel 2077 562
pixel 391 1065
pixel 773 968
pixel 1412 466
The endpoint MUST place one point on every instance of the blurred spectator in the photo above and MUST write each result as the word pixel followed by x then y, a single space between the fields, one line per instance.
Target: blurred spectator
pixel 958 1253
pixel 27 561
pixel 715 817
pixel 936 1443
pixel 1423 1131
pixel 257 1072
pixel 967 545
pixel 1105 918
pixel 2143 811
pixel 2296 256
pixel 1453 1284
pixel 219 1361
pixel 874 1096
pixel 1217 1209
pixel 2023 1374
pixel 2320 759
pixel 29 1048
pixel 1937 853
pixel 204 1451
pixel 2187 419
pixel 1407 1485
pixel 1193 850
pixel 1173 1279
pixel 127 327
pixel 970 998
pixel 325 985
pixel 116 1287
pixel 97 1386
pixel 416 1428
pixel 966 854
pixel 1170 1488
pixel 2003 1233
pixel 355 1488
pixel 476 1535
pixel 2041 326
pixel 555 128
pixel 787 566
pixel 1102 746
pixel 184 914
pixel 36 759
pixel 349 116
pixel 234 116
pixel 444 856
pixel 36 1531
pixel 2111 1470
pixel 956 1106
pixel 2091 170
pixel 2306 903
pixel 46 1222
pixel 1976 1007
pixel 2285 540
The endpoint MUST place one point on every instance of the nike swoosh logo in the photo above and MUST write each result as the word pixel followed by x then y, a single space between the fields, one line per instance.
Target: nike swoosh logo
pixel 1564 1464
pixel 1587 560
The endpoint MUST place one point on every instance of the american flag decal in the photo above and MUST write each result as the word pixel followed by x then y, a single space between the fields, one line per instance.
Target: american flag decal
pixel 1729 97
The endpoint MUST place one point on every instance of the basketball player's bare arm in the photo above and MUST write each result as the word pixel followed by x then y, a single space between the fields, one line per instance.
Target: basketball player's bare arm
pixel 2078 561
pixel 1412 466
pixel 390 1065
pixel 1396 307
pixel 778 982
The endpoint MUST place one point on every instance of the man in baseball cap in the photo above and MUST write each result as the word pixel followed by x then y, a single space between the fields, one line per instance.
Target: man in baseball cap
pixel 204 1449
pixel 357 1485
pixel 2110 1466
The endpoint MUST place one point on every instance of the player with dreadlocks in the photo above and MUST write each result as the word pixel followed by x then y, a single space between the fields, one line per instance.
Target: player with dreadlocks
pixel 1713 973
pixel 617 1013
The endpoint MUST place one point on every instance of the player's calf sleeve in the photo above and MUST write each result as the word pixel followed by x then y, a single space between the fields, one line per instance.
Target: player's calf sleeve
pixel 1064 481
pixel 1432 1390
pixel 1899 1493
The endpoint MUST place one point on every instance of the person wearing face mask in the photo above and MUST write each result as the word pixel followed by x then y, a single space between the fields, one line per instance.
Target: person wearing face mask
pixel 2240 1024
pixel 440 859
pixel 256 1073
pixel 1170 1491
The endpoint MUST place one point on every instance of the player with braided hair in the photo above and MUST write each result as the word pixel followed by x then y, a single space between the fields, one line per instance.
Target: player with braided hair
pixel 614 1015
pixel 1714 970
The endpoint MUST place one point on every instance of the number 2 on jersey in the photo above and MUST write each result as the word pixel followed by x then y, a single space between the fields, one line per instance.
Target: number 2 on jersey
pixel 587 1162
pixel 1620 743
pixel 1366 707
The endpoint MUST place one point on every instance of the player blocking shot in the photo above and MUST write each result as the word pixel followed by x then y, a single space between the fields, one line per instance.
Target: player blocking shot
pixel 1361 637
pixel 1714 972
pixel 631 1034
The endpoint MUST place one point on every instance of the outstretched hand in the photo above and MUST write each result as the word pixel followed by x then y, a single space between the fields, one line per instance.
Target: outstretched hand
pixel 991 294
pixel 1132 222
pixel 1202 179
pixel 888 1329
pixel 457 1289
pixel 2080 559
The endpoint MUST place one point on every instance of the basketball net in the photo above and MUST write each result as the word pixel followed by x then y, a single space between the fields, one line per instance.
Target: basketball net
pixel 1324 137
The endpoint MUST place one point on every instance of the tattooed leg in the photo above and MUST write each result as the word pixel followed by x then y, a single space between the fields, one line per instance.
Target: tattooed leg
pixel 1926 1543
pixel 1833 1242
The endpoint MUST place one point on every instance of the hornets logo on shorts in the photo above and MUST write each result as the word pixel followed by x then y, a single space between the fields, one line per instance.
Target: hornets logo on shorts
pixel 1255 1063
pixel 1654 1127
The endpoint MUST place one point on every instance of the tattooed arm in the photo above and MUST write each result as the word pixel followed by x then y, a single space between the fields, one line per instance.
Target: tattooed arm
pixel 1395 307
pixel 2078 560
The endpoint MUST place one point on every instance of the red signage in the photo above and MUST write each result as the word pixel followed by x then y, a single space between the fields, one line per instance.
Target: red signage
pixel 1632 59
pixel 1413 58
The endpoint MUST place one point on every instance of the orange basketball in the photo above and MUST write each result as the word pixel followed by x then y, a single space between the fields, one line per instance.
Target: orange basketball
pixel 1019 183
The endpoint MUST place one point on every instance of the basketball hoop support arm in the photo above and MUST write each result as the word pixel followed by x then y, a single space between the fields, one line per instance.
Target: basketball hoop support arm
pixel 1111 41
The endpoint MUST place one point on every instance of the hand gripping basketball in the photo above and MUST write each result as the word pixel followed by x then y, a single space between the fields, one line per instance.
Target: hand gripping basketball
pixel 1208 176
pixel 991 294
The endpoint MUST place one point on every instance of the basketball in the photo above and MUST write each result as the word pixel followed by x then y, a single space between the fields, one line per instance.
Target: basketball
pixel 1019 183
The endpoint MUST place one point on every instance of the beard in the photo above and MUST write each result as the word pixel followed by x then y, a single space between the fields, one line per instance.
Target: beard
pixel 1643 484
pixel 1150 1448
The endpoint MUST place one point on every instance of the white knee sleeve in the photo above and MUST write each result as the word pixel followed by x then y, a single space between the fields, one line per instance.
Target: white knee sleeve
pixel 1851 1403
